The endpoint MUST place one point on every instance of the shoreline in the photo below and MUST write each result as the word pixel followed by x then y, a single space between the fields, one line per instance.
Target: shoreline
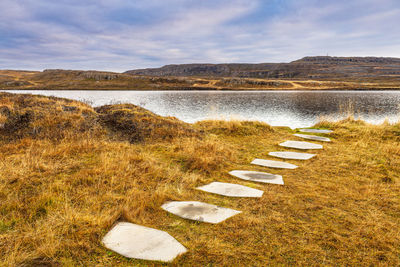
pixel 210 89
pixel 92 80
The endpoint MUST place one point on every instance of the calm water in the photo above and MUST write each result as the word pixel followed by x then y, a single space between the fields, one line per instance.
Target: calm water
pixel 277 108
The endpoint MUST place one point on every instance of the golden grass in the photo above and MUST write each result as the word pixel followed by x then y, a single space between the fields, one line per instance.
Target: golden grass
pixel 60 193
pixel 3 119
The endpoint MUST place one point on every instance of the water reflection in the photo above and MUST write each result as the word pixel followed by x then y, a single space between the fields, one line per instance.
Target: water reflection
pixel 286 108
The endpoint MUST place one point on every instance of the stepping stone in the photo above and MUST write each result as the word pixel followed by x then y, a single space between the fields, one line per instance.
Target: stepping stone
pixel 199 211
pixel 231 190
pixel 313 137
pixel 315 131
pixel 291 155
pixel 261 177
pixel 139 242
pixel 273 164
pixel 300 145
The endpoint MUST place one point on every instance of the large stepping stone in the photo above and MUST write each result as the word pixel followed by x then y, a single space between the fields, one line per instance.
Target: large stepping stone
pixel 231 190
pixel 261 177
pixel 315 131
pixel 291 155
pixel 313 137
pixel 273 164
pixel 300 145
pixel 139 242
pixel 199 211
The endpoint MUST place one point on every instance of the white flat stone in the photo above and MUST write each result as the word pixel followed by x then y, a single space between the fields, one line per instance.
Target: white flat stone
pixel 139 242
pixel 199 211
pixel 231 190
pixel 315 131
pixel 301 145
pixel 313 137
pixel 291 155
pixel 273 164
pixel 261 177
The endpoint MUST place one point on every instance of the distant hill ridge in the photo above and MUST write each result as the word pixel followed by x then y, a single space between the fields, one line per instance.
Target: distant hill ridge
pixel 325 59
pixel 318 67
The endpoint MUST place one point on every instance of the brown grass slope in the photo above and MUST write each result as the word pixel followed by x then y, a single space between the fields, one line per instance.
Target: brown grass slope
pixel 68 172
pixel 86 80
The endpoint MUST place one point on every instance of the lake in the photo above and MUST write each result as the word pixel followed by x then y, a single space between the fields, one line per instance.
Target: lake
pixel 277 108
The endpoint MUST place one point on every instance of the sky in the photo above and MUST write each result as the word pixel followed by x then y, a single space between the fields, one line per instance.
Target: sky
pixel 120 35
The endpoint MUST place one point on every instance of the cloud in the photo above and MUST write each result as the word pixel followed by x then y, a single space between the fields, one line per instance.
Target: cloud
pixel 120 35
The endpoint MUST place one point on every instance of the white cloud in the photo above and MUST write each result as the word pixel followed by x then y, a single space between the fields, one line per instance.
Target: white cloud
pixel 121 35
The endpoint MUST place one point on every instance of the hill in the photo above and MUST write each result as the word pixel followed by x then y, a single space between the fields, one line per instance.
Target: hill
pixel 355 68
pixel 309 73
pixel 58 79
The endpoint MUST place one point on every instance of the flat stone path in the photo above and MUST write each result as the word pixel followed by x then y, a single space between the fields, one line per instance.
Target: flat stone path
pixel 313 137
pixel 231 190
pixel 273 164
pixel 139 242
pixel 255 176
pixel 301 145
pixel 315 131
pixel 291 155
pixel 199 211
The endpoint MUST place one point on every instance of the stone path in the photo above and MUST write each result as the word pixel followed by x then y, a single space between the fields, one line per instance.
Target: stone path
pixel 273 164
pixel 139 242
pixel 315 131
pixel 313 137
pixel 261 177
pixel 291 155
pixel 231 190
pixel 300 145
pixel 199 211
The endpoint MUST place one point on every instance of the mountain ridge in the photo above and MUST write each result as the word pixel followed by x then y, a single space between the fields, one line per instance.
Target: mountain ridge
pixel 308 73
pixel 320 67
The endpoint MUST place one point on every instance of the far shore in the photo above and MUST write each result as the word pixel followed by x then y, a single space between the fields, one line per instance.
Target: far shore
pixel 205 89
pixel 94 80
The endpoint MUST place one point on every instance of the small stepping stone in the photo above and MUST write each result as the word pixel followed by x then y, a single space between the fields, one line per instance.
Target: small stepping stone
pixel 273 164
pixel 291 155
pixel 231 190
pixel 139 242
pixel 315 131
pixel 199 211
pixel 261 177
pixel 300 145
pixel 313 137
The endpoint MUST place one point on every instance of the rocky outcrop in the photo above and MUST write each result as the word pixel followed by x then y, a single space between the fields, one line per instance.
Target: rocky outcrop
pixel 95 75
pixel 344 60
pixel 321 67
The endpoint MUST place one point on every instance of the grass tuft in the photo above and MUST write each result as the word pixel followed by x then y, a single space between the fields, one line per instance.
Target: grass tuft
pixel 135 124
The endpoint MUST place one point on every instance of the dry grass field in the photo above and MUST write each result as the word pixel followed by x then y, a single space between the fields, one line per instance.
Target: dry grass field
pixel 99 80
pixel 68 172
